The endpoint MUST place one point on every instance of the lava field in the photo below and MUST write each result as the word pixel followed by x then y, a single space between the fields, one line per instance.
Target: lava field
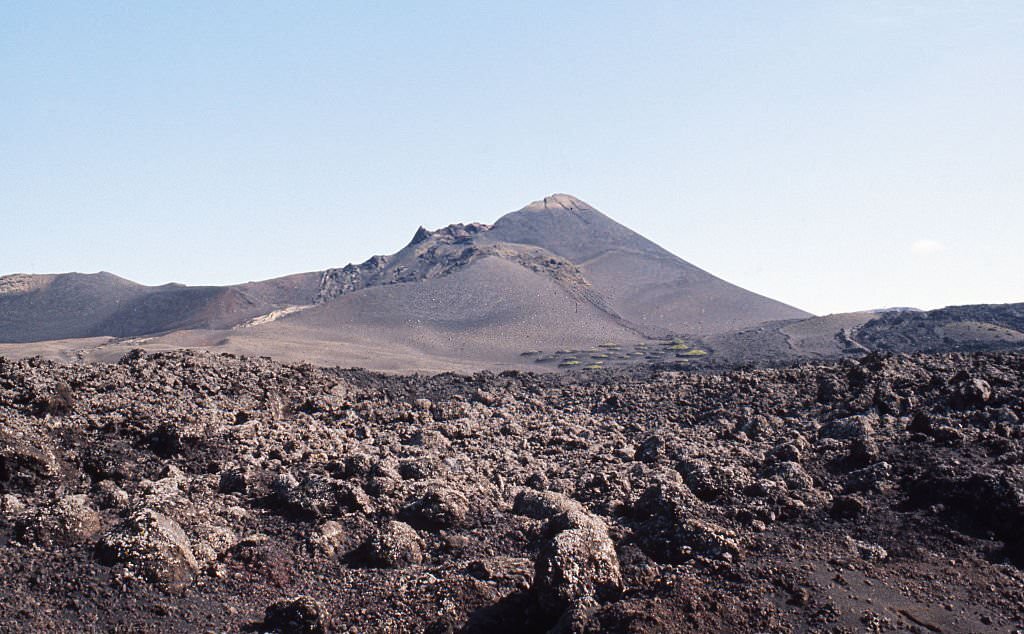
pixel 195 492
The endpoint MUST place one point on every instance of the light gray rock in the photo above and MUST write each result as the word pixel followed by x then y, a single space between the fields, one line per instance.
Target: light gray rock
pixel 154 546
pixel 850 428
pixel 71 520
pixel 576 565
pixel 394 545
pixel 328 538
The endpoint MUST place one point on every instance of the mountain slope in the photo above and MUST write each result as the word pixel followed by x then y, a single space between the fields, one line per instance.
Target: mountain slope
pixel 642 282
pixel 75 305
pixel 976 328
pixel 483 315
pixel 41 307
pixel 611 266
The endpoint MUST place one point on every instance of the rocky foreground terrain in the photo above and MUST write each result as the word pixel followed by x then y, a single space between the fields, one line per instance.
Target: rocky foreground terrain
pixel 191 492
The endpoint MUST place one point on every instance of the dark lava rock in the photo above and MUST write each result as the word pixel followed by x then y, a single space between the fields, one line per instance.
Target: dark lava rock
pixel 440 507
pixel 356 465
pixel 665 496
pixel 542 505
pixel 677 542
pixel 71 520
pixel 714 481
pixel 179 437
pixel 111 496
pixel 753 485
pixel 328 538
pixel 863 451
pixel 971 392
pixel 316 495
pixel 872 478
pixel 848 507
pixel 978 502
pixel 234 481
pixel 301 615
pixel 651 449
pixel 794 475
pixel 58 402
pixel 829 389
pixel 265 557
pixel 786 452
pixel 920 423
pixel 855 427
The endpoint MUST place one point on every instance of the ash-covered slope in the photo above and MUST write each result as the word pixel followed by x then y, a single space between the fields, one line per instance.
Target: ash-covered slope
pixel 966 328
pixel 76 305
pixel 642 282
pixel 481 316
pixel 538 279
pixel 566 225
pixel 592 257
pixel 40 307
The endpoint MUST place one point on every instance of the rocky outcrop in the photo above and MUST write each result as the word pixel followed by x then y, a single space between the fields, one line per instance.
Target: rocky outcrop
pixel 433 254
pixel 429 254
pixel 978 327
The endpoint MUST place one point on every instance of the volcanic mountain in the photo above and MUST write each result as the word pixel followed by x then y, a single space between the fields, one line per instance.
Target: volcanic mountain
pixel 555 274
pixel 554 284
pixel 641 281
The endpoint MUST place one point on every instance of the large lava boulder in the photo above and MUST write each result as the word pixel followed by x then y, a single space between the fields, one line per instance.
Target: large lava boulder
pixel 576 565
pixel 153 545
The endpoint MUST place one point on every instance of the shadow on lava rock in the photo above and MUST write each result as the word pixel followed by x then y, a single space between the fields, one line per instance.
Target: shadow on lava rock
pixel 515 613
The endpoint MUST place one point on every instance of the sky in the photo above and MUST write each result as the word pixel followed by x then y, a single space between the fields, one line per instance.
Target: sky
pixel 835 155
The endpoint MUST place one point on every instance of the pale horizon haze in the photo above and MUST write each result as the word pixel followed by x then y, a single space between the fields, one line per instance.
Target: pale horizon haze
pixel 836 156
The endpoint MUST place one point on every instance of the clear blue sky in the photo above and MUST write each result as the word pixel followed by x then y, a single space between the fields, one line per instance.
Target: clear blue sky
pixel 834 155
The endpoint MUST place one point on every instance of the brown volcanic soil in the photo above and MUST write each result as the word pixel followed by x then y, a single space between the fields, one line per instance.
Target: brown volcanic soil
pixel 189 492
